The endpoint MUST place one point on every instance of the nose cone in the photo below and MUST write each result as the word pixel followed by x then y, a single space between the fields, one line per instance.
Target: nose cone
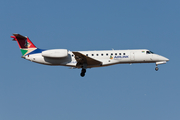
pixel 161 58
pixel 167 59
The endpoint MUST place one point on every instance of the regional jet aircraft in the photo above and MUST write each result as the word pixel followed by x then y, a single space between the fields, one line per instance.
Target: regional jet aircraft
pixel 85 59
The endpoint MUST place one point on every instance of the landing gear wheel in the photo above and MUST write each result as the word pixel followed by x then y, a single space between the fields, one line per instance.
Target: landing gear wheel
pixel 82 74
pixel 156 68
pixel 83 71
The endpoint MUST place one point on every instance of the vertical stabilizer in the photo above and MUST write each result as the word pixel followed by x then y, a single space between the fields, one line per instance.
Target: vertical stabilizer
pixel 25 45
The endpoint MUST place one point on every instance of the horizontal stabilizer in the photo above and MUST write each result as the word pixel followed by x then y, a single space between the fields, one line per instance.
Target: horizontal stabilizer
pixel 18 36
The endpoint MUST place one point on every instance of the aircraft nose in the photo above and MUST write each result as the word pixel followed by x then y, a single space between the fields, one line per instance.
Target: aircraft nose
pixel 164 58
pixel 167 59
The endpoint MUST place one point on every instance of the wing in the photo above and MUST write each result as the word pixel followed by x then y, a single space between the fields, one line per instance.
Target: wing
pixel 82 59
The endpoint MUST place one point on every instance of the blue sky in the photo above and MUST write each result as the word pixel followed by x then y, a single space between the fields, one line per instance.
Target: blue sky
pixel 30 91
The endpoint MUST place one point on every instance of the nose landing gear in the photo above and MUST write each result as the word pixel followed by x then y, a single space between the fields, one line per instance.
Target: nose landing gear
pixel 156 68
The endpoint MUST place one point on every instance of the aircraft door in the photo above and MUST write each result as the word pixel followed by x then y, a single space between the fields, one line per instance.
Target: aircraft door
pixel 132 56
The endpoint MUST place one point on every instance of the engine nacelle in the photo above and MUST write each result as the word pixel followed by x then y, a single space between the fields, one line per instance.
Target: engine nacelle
pixel 55 53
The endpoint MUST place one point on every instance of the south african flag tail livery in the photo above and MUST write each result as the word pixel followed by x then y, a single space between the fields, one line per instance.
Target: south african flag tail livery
pixel 25 45
pixel 85 59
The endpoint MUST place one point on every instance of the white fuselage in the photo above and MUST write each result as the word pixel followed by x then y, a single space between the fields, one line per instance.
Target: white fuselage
pixel 107 57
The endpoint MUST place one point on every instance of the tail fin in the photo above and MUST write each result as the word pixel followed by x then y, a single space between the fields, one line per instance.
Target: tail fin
pixel 25 45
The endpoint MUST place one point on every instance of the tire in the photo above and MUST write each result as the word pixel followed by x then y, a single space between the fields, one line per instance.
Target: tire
pixel 82 74
pixel 83 70
pixel 156 68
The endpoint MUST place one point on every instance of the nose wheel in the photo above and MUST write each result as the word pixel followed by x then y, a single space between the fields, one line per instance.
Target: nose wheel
pixel 83 71
pixel 156 68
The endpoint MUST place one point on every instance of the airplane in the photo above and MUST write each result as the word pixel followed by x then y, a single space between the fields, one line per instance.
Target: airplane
pixel 85 59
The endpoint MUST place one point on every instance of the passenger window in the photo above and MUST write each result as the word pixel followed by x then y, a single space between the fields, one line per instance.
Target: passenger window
pixel 119 53
pixel 92 54
pixel 124 53
pixel 111 53
pixel 86 54
pixel 101 54
pixel 107 54
pixel 115 53
pixel 72 55
pixel 96 54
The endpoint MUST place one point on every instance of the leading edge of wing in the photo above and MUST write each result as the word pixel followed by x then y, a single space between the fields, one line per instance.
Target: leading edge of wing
pixel 83 59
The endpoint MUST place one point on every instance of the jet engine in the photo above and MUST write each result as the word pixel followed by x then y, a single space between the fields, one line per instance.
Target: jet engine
pixel 55 53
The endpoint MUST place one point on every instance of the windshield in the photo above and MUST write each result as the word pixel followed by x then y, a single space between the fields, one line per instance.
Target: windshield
pixel 149 52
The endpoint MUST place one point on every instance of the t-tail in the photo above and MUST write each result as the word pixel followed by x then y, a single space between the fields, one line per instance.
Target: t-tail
pixel 25 45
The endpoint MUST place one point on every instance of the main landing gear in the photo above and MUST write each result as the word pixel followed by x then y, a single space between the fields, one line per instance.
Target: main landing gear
pixel 83 71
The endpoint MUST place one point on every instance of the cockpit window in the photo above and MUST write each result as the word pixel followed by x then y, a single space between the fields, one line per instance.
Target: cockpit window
pixel 152 52
pixel 149 52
